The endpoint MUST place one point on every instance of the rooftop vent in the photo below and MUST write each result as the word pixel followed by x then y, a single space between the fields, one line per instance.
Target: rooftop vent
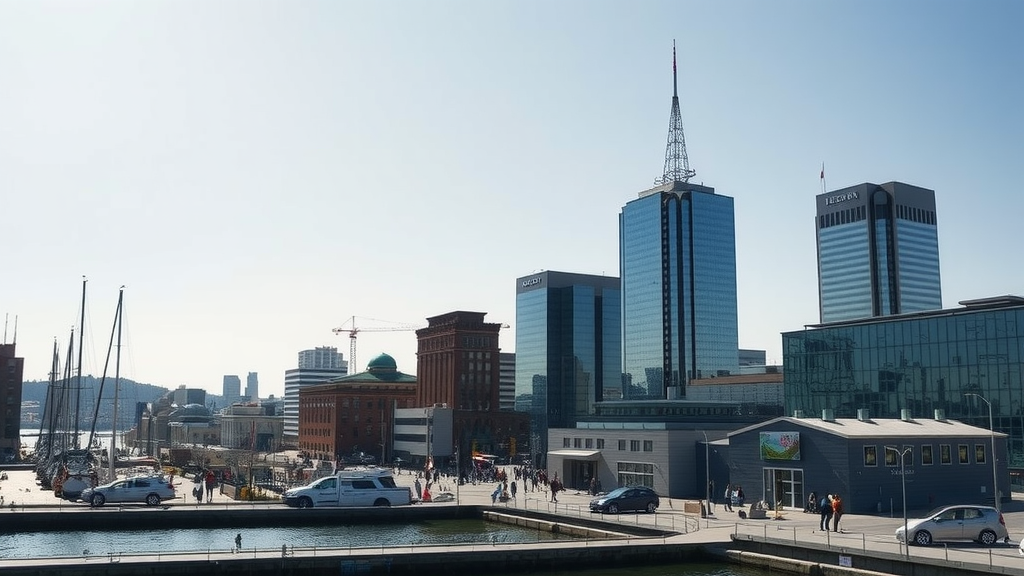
pixel 828 415
pixel 798 413
pixel 905 415
pixel 863 415
pixel 940 415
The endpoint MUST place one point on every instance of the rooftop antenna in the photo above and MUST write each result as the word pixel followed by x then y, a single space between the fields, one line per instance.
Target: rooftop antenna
pixel 677 164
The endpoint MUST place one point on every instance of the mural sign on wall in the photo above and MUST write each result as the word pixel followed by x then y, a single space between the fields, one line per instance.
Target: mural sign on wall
pixel 780 445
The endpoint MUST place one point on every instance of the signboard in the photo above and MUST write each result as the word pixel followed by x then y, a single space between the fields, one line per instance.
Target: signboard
pixel 780 445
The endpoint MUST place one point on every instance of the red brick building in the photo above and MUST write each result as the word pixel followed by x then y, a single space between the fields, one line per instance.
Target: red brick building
pixel 353 414
pixel 458 364
pixel 11 373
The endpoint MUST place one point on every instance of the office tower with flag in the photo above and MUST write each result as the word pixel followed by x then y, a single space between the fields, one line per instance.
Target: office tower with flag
pixel 677 263
pixel 878 251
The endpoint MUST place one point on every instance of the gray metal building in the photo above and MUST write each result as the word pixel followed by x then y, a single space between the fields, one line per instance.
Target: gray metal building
pixel 944 462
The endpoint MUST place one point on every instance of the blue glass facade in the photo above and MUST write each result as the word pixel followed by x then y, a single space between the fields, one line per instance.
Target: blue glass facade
pixel 678 266
pixel 878 251
pixel 568 342
pixel 921 362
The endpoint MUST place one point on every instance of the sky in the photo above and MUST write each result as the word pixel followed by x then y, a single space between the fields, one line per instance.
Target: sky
pixel 257 173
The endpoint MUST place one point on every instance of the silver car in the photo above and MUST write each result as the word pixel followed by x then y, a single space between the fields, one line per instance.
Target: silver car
pixel 149 489
pixel 983 524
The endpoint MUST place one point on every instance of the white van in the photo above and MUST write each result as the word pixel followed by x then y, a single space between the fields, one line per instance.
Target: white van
pixel 359 487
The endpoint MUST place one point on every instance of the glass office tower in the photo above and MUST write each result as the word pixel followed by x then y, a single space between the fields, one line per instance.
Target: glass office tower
pixel 568 346
pixel 921 362
pixel 878 251
pixel 677 260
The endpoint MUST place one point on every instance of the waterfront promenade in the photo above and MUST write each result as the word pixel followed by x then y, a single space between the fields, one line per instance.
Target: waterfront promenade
pixel 860 535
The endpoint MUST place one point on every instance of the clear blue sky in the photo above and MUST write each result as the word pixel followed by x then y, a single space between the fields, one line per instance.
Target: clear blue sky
pixel 257 172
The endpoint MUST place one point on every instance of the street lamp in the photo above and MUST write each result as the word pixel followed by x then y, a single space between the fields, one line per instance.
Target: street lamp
pixel 707 473
pixel 903 479
pixel 992 433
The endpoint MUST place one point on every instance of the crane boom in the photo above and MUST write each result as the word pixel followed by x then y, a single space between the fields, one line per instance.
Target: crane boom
pixel 353 330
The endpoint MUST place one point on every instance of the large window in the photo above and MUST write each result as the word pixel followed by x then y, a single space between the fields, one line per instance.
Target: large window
pixel 979 453
pixel 636 474
pixel 963 454
pixel 944 454
pixel 926 454
pixel 870 456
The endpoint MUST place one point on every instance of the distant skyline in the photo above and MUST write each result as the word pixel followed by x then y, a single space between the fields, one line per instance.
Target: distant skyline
pixel 255 174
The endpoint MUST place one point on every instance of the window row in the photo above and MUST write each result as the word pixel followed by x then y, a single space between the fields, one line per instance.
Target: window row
pixel 892 455
pixel 598 444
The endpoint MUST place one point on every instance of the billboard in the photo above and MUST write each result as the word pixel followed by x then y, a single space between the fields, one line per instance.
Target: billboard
pixel 780 445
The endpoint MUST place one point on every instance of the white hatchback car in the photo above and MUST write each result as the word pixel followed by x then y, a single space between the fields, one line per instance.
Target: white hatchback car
pixel 983 524
pixel 149 489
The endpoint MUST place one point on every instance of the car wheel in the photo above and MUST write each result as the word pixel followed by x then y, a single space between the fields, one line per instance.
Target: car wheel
pixel 987 537
pixel 305 502
pixel 613 508
pixel 98 500
pixel 153 500
pixel 382 502
pixel 923 538
pixel 651 507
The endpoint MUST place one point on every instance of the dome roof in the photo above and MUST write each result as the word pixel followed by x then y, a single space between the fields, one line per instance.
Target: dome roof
pixel 382 363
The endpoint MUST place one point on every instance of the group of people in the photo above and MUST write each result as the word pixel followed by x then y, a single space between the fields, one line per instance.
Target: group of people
pixel 733 495
pixel 205 482
pixel 830 507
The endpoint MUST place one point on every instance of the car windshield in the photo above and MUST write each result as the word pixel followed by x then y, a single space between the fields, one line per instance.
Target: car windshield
pixel 617 492
pixel 935 512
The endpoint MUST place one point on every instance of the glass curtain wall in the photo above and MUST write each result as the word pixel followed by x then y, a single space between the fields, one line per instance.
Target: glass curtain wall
pixel 917 363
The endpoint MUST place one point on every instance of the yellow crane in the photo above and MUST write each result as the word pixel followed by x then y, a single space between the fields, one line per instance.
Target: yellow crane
pixel 350 327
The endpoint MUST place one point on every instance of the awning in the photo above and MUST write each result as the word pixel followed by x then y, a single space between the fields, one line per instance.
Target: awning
pixel 577 454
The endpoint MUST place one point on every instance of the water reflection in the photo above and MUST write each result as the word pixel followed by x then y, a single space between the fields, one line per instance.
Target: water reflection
pixel 202 539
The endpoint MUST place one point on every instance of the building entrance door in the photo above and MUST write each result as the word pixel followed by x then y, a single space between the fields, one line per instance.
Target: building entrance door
pixel 785 485
pixel 577 474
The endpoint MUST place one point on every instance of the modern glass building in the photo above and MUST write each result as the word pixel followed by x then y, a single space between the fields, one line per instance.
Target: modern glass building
pixel 568 349
pixel 677 260
pixel 918 362
pixel 878 251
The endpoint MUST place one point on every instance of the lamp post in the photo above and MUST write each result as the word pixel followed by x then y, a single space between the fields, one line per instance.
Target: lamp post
pixel 707 472
pixel 992 434
pixel 903 479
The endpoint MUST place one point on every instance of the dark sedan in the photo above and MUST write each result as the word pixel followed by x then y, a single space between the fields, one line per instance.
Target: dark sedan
pixel 626 498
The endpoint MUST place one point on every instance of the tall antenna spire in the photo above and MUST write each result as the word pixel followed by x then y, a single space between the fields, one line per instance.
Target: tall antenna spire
pixel 677 164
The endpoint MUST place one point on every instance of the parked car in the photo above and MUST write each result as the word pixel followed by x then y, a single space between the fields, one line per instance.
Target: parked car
pixel 149 489
pixel 626 498
pixel 983 524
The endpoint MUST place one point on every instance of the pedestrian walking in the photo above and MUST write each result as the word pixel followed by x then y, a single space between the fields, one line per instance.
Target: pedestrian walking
pixel 211 483
pixel 728 497
pixel 837 511
pixel 556 485
pixel 825 507
pixel 238 541
pixel 513 489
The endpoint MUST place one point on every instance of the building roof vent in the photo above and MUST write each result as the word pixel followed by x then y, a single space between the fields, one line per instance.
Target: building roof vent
pixel 828 415
pixel 798 413
pixel 905 415
pixel 940 415
pixel 863 415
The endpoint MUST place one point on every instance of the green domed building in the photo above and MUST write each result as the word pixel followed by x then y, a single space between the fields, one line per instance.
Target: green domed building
pixel 353 414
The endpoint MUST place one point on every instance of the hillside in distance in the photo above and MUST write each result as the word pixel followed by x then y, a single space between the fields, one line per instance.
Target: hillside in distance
pixel 129 394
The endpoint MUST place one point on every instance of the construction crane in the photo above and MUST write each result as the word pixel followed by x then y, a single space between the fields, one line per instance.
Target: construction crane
pixel 350 327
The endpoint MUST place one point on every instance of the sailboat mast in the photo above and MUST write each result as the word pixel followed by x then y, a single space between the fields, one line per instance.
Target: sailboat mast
pixel 81 345
pixel 117 383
